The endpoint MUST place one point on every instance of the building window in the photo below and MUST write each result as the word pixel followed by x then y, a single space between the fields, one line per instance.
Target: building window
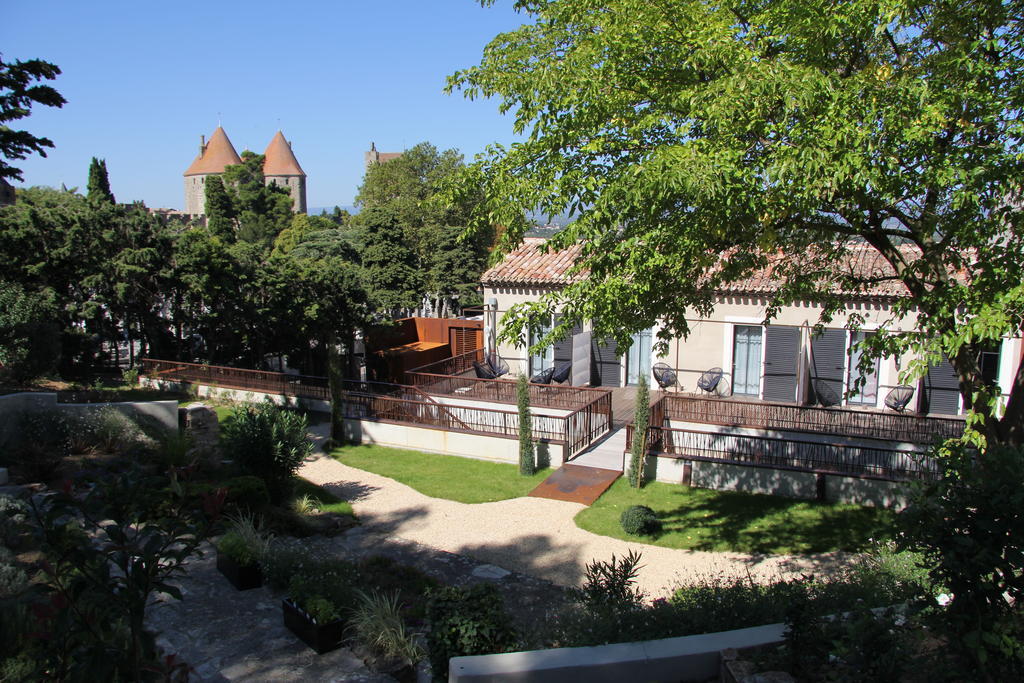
pixel 539 362
pixel 746 361
pixel 868 392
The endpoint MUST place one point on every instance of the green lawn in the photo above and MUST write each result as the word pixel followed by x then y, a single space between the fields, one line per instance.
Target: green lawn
pixel 327 500
pixel 443 476
pixel 701 519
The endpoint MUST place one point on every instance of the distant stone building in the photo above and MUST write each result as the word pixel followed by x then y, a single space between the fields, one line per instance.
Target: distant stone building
pixel 280 167
pixel 375 157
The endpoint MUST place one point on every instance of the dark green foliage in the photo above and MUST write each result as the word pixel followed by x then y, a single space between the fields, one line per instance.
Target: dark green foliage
pixel 262 211
pixel 324 588
pixel 18 92
pixel 99 182
pixel 36 445
pixel 234 546
pixel 611 584
pixel 388 576
pixel 109 549
pixel 466 621
pixel 245 493
pixel 219 209
pixel 639 520
pixel 29 337
pixel 527 458
pixel 967 525
pixel 638 449
pixel 444 267
pixel 390 265
pixel 268 442
pixel 858 645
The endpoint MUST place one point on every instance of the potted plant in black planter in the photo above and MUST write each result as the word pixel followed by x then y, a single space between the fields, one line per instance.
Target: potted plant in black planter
pixel 239 552
pixel 320 596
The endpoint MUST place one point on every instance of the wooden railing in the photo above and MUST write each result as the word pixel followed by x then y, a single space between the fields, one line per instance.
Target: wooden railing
pixel 589 419
pixel 504 390
pixel 789 454
pixel 279 383
pixel 456 365
pixel 452 418
pixel 587 424
pixel 889 426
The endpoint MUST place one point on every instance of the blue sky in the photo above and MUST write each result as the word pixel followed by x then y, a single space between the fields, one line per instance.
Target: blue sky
pixel 144 80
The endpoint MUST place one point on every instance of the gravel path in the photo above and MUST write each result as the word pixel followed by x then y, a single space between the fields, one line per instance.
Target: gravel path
pixel 534 536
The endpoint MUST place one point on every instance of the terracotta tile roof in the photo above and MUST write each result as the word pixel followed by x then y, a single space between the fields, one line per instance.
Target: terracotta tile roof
pixel 388 156
pixel 279 159
pixel 863 262
pixel 219 152
pixel 530 265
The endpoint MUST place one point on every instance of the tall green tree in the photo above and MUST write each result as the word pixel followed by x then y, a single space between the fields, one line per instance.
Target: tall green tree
pixel 99 182
pixel 449 267
pixel 681 131
pixel 391 275
pixel 19 90
pixel 262 211
pixel 219 209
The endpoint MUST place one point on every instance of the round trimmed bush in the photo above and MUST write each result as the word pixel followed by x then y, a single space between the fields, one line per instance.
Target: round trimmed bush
pixel 639 520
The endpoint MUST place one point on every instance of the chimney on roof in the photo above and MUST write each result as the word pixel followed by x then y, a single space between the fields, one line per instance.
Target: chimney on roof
pixel 202 145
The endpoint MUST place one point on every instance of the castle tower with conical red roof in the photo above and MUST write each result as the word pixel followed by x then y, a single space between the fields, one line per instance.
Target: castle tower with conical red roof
pixel 281 168
pixel 213 157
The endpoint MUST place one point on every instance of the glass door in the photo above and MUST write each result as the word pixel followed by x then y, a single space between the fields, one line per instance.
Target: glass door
pixel 746 361
pixel 539 362
pixel 868 393
pixel 638 361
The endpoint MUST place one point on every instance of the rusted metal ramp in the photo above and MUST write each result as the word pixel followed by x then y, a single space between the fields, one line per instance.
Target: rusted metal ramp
pixel 576 484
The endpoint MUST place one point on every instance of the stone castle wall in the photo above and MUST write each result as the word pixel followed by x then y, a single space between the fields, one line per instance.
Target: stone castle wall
pixel 296 185
pixel 195 194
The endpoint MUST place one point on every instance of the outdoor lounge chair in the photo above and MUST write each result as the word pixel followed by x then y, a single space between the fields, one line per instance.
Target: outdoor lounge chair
pixel 824 393
pixel 561 373
pixel 899 397
pixel 483 370
pixel 663 375
pixel 497 365
pixel 709 380
pixel 543 377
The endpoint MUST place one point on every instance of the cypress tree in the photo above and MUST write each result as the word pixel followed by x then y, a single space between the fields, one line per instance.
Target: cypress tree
pixel 526 459
pixel 99 183
pixel 641 421
pixel 220 210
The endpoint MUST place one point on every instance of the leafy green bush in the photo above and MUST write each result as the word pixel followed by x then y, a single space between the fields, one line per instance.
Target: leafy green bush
pixel 376 622
pixel 386 576
pixel 13 518
pixel 36 444
pixel 967 526
pixel 466 621
pixel 639 520
pixel 268 442
pixel 611 584
pixel 324 586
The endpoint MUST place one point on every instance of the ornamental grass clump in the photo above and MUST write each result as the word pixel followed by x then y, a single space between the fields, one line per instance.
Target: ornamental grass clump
pixel 245 542
pixel 268 442
pixel 377 623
